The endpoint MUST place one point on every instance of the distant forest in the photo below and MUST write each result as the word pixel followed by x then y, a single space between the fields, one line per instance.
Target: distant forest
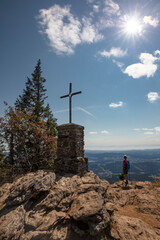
pixel 144 164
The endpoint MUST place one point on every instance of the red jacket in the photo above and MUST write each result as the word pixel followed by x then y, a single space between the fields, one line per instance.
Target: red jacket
pixel 124 164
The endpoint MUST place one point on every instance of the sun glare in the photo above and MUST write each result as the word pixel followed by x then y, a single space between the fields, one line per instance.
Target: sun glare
pixel 132 26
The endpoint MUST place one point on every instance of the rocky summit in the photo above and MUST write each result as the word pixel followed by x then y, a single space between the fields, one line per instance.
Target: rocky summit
pixel 46 206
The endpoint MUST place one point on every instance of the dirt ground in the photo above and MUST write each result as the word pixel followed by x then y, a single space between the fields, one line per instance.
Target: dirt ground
pixel 130 211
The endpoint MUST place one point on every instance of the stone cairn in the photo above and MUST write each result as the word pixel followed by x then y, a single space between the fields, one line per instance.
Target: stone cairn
pixel 70 153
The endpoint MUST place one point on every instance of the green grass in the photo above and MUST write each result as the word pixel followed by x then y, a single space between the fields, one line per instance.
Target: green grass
pixel 157 182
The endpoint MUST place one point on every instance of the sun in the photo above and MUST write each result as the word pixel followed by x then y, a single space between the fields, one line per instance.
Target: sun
pixel 132 26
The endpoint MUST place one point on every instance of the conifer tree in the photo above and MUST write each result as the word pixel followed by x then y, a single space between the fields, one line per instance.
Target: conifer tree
pixel 29 130
pixel 24 101
pixel 38 93
pixel 34 96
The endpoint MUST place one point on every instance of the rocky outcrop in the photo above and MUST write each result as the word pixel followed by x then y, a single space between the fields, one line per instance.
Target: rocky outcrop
pixel 132 229
pixel 43 206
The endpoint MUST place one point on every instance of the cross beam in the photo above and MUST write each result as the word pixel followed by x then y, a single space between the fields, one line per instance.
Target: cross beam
pixel 70 100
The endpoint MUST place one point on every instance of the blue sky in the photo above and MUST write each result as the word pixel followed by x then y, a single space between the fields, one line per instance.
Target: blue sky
pixel 108 49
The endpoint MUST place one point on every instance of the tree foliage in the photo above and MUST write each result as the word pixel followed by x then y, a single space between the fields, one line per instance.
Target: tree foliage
pixel 33 145
pixel 29 129
pixel 5 167
pixel 34 96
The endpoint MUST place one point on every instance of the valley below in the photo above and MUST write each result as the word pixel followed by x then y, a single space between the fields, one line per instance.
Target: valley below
pixel 144 164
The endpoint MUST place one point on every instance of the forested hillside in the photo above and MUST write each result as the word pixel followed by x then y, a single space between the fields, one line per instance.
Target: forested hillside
pixel 145 164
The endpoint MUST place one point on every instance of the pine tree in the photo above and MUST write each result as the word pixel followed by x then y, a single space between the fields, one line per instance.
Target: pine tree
pixel 38 93
pixel 51 121
pixel 34 96
pixel 25 100
pixel 29 130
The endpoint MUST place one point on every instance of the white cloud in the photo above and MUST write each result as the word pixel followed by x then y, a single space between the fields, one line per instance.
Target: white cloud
pixel 108 9
pixel 61 111
pixel 119 64
pixel 96 8
pixel 116 105
pixel 90 33
pixel 85 111
pixel 153 96
pixel 157 129
pixel 143 129
pixel 139 70
pixel 147 129
pixel 105 23
pixel 147 58
pixel 148 133
pixel 151 21
pixel 147 67
pixel 114 52
pixel 76 109
pixel 61 28
pixel 65 31
pixel 136 129
pixel 104 132
pixel 90 1
pixel 111 8
pixel 157 52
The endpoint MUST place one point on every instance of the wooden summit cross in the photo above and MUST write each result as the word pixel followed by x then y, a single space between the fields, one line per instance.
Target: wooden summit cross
pixel 70 100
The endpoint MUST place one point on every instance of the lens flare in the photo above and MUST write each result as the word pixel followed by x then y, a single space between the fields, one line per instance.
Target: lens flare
pixel 132 26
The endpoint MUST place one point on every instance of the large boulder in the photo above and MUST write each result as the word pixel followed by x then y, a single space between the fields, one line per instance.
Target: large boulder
pixel 125 228
pixel 86 205
pixel 30 186
pixel 12 223
pixel 43 206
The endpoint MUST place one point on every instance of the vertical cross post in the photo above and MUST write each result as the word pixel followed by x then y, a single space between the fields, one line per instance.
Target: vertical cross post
pixel 70 100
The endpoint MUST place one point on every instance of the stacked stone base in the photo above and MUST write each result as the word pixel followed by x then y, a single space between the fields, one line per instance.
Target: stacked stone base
pixel 70 153
pixel 76 165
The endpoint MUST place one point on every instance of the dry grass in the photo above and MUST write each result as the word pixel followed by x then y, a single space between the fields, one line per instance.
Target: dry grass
pixel 131 211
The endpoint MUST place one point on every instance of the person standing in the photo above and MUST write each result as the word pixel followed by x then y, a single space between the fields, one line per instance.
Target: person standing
pixel 126 167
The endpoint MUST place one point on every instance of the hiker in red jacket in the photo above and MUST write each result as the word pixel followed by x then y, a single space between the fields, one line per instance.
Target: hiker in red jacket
pixel 126 167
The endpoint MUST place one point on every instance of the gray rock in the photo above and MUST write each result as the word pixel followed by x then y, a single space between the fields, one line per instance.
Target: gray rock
pixel 90 178
pixel 12 224
pixel 131 228
pixel 30 186
pixel 5 189
pixel 86 205
pixel 44 206
pixel 110 207
pixel 149 202
pixel 140 185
